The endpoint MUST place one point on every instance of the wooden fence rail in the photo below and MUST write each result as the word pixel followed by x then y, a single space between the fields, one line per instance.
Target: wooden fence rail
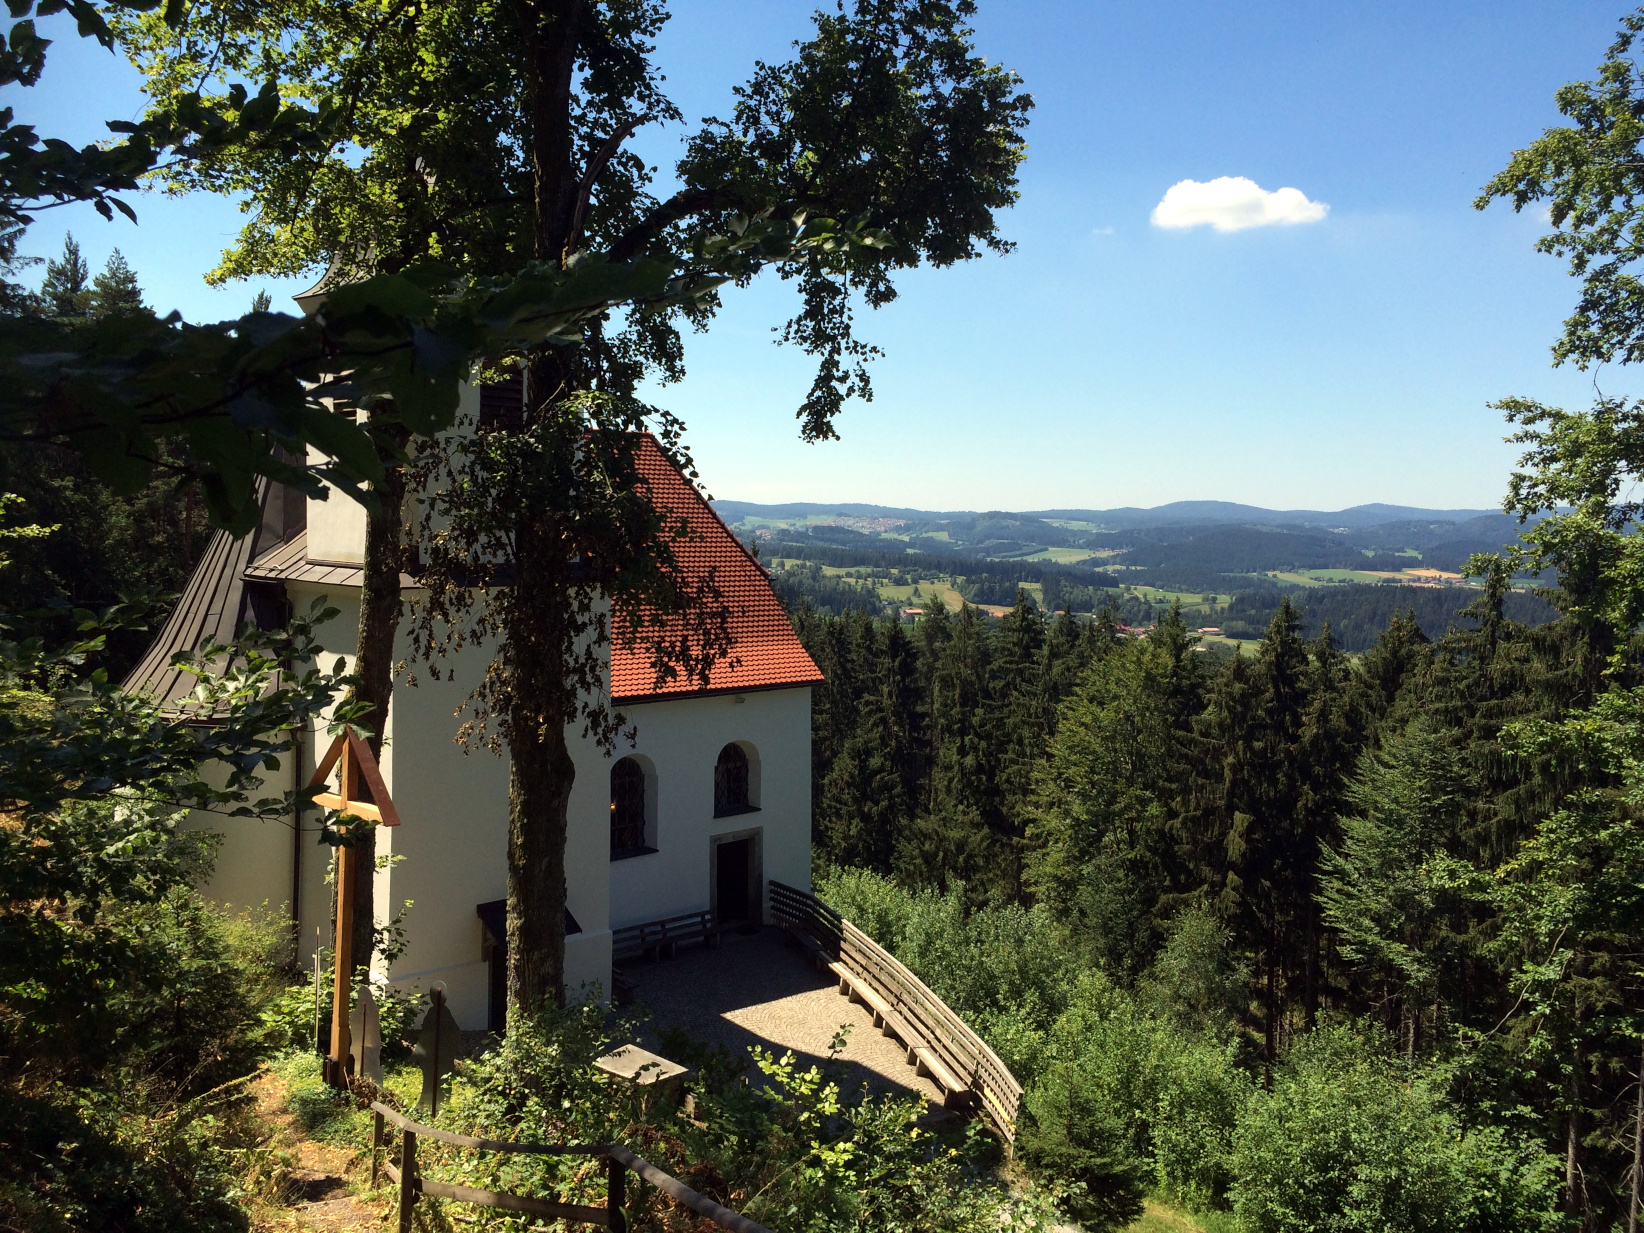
pixel 939 1042
pixel 619 1161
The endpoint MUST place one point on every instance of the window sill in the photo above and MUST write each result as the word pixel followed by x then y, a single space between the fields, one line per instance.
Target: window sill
pixel 629 853
pixel 732 813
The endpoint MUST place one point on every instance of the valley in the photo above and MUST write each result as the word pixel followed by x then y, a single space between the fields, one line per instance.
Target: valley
pixel 1226 565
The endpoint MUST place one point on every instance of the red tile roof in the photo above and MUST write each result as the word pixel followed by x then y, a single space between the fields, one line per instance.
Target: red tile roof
pixel 766 653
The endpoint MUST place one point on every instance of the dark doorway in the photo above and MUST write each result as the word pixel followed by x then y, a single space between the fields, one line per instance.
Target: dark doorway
pixel 734 866
pixel 494 917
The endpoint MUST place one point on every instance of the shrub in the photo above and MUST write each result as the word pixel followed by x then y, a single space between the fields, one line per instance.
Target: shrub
pixel 129 1014
pixel 125 1155
pixel 1081 1147
pixel 1173 1099
pixel 136 1117
pixel 1195 981
pixel 1004 970
pixel 1349 1139
pixel 794 1149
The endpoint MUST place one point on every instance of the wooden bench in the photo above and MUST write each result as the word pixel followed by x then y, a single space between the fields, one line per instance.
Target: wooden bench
pixel 657 937
pixel 818 954
pixel 956 1093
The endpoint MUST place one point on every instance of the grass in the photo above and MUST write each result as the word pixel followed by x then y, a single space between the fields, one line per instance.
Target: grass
pixel 1157 1218
pixel 1414 576
pixel 1344 575
pixel 1305 580
pixel 1062 556
pixel 1160 1217
pixel 927 589
pixel 1188 599
pixel 326 1115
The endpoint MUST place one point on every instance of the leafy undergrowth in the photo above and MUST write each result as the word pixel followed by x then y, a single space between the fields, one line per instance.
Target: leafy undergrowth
pixel 791 1150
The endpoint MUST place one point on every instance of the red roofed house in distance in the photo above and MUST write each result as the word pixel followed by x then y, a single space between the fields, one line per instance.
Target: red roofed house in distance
pixel 711 802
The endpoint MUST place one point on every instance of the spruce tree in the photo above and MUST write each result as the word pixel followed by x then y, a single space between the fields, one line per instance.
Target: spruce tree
pixel 1402 924
pixel 1102 852
pixel 114 292
pixel 15 299
pixel 66 291
pixel 1244 821
pixel 955 835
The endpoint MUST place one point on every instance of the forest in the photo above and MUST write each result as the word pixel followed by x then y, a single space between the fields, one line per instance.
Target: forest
pixel 1209 905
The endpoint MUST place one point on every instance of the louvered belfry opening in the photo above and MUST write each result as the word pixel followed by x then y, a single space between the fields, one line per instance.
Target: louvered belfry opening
pixel 627 808
pixel 502 404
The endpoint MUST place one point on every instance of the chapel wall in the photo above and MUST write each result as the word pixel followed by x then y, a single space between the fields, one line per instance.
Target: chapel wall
pixel 682 740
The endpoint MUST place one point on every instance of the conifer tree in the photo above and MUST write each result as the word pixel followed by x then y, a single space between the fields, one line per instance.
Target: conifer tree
pixel 114 292
pixel 1102 852
pixel 1387 886
pixel 1247 818
pixel 66 291
pixel 1024 690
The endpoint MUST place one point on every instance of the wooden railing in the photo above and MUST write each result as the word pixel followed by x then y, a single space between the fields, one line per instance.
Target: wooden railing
pixel 619 1161
pixel 938 1041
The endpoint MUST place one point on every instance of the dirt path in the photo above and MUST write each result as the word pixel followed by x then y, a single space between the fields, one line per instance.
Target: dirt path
pixel 319 1186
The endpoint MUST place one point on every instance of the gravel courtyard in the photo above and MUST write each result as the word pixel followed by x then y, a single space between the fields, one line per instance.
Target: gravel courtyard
pixel 756 989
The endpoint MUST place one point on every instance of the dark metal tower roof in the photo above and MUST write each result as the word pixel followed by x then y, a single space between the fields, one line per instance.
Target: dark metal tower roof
pixel 219 598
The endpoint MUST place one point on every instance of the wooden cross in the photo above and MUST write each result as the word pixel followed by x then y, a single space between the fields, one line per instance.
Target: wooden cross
pixel 374 805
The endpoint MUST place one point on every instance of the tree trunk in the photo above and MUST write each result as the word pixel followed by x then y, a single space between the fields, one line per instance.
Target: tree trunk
pixel 539 786
pixel 1310 960
pixel 541 771
pixel 548 34
pixel 1271 1015
pixel 1575 1196
pixel 1638 1152
pixel 379 626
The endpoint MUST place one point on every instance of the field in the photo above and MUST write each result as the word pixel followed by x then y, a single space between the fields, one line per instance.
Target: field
pixel 903 596
pixel 907 599
pixel 1063 556
pixel 1325 577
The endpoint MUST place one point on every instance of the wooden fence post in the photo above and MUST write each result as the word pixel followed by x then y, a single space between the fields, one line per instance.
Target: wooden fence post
pixel 617 1222
pixel 408 1178
pixel 342 978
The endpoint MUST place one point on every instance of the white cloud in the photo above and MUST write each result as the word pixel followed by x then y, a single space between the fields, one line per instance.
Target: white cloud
pixel 1232 203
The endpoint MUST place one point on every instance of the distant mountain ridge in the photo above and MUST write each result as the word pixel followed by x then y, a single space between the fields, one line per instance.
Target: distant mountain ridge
pixel 1124 517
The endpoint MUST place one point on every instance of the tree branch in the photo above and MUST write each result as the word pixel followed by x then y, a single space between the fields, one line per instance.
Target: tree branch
pixel 596 165
pixel 681 204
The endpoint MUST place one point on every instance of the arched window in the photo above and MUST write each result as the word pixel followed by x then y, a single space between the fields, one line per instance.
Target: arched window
pixel 627 808
pixel 731 781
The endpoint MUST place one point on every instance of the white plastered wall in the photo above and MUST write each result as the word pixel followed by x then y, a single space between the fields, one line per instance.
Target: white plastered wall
pixel 336 526
pixel 255 859
pixel 682 740
pixel 253 866
pixel 450 851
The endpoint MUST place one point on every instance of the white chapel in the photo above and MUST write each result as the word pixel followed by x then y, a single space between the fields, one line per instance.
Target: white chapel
pixel 710 803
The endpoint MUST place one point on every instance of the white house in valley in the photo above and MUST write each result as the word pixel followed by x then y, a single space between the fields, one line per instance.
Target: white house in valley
pixel 710 802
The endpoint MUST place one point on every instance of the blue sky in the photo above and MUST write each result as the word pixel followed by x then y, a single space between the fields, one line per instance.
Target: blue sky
pixel 1109 361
